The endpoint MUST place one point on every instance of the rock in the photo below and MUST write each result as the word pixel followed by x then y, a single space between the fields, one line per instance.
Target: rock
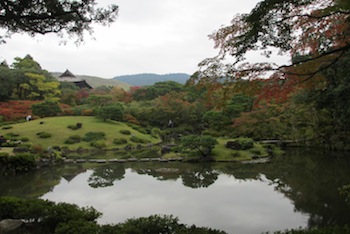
pixel 7 225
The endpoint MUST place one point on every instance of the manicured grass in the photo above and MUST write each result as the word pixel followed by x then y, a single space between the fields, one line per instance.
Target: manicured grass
pixel 58 128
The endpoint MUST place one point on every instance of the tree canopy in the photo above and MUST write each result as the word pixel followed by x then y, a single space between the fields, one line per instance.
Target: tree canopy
pixel 316 30
pixel 65 18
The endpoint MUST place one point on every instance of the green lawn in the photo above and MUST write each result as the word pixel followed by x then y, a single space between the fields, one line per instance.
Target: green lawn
pixel 58 128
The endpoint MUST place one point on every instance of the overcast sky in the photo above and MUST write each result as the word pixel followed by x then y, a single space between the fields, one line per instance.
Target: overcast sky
pixel 153 36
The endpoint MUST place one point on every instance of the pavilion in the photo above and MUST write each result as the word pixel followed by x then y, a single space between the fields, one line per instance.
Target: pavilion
pixel 67 76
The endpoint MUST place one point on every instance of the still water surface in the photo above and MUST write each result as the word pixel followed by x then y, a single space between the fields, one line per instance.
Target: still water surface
pixel 290 192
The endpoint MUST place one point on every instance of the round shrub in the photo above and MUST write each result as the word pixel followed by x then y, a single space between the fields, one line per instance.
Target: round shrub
pixel 12 135
pixel 125 132
pixel 73 139
pixel 24 139
pixel 69 141
pixel 44 134
pixel 120 141
pixel 94 136
pixel 7 127
pixel 98 144
pixel 137 139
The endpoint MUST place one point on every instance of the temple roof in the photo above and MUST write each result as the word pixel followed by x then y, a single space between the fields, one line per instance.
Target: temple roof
pixel 68 76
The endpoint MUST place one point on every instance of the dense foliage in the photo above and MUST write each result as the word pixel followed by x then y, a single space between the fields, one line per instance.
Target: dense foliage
pixel 48 217
pixel 71 18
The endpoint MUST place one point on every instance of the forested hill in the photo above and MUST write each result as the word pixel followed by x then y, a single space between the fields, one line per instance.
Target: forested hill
pixel 145 79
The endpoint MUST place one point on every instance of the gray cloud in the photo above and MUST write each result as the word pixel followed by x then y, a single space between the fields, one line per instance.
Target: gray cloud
pixel 160 36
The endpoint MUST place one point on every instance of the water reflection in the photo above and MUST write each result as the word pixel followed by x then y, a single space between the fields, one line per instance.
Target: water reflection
pixel 106 175
pixel 289 192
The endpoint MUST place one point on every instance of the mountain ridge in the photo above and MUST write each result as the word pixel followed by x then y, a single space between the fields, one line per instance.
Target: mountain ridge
pixel 144 79
pixel 127 81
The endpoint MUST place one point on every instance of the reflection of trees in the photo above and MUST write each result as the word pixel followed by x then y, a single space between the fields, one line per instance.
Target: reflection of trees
pixel 106 175
pixel 314 184
pixel 32 184
pixel 200 176
pixel 192 175
pixel 311 181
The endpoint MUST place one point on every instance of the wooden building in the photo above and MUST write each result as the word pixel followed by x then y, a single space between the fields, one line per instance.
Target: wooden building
pixel 67 76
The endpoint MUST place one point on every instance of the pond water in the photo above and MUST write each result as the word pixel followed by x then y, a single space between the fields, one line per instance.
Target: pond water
pixel 294 190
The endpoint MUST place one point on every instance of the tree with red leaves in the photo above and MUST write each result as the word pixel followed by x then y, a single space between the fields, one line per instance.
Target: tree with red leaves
pixel 315 31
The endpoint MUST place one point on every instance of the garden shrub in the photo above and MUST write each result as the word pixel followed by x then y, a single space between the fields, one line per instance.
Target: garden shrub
pixel 155 132
pixel 75 127
pixel 11 143
pixel 44 134
pixel 138 128
pixel 24 139
pixel 255 151
pixel 73 139
pixel 7 127
pixel 125 132
pixel 246 143
pixel 12 135
pixel 120 141
pixel 98 144
pixel 235 154
pixel 137 139
pixel 94 136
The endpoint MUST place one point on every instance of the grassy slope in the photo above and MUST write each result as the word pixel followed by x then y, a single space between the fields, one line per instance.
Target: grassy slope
pixel 57 126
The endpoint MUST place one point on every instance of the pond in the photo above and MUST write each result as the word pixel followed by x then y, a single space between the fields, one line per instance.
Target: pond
pixel 299 189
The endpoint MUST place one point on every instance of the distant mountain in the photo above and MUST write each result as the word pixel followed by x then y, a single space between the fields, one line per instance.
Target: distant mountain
pixel 95 81
pixel 145 79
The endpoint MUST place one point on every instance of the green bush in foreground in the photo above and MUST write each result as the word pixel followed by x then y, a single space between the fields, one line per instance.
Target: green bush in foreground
pixel 48 217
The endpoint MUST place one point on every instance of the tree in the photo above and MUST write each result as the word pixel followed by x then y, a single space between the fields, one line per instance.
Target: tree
pixel 99 100
pixel 46 109
pixel 64 18
pixel 40 89
pixel 7 80
pixel 32 82
pixel 203 143
pixel 317 28
pixel 111 111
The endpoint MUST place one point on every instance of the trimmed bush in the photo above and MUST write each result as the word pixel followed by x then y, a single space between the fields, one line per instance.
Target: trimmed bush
pixel 120 141
pixel 6 127
pixel 75 127
pixel 94 136
pixel 125 132
pixel 44 134
pixel 137 140
pixel 12 135
pixel 24 139
pixel 98 144
pixel 73 139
